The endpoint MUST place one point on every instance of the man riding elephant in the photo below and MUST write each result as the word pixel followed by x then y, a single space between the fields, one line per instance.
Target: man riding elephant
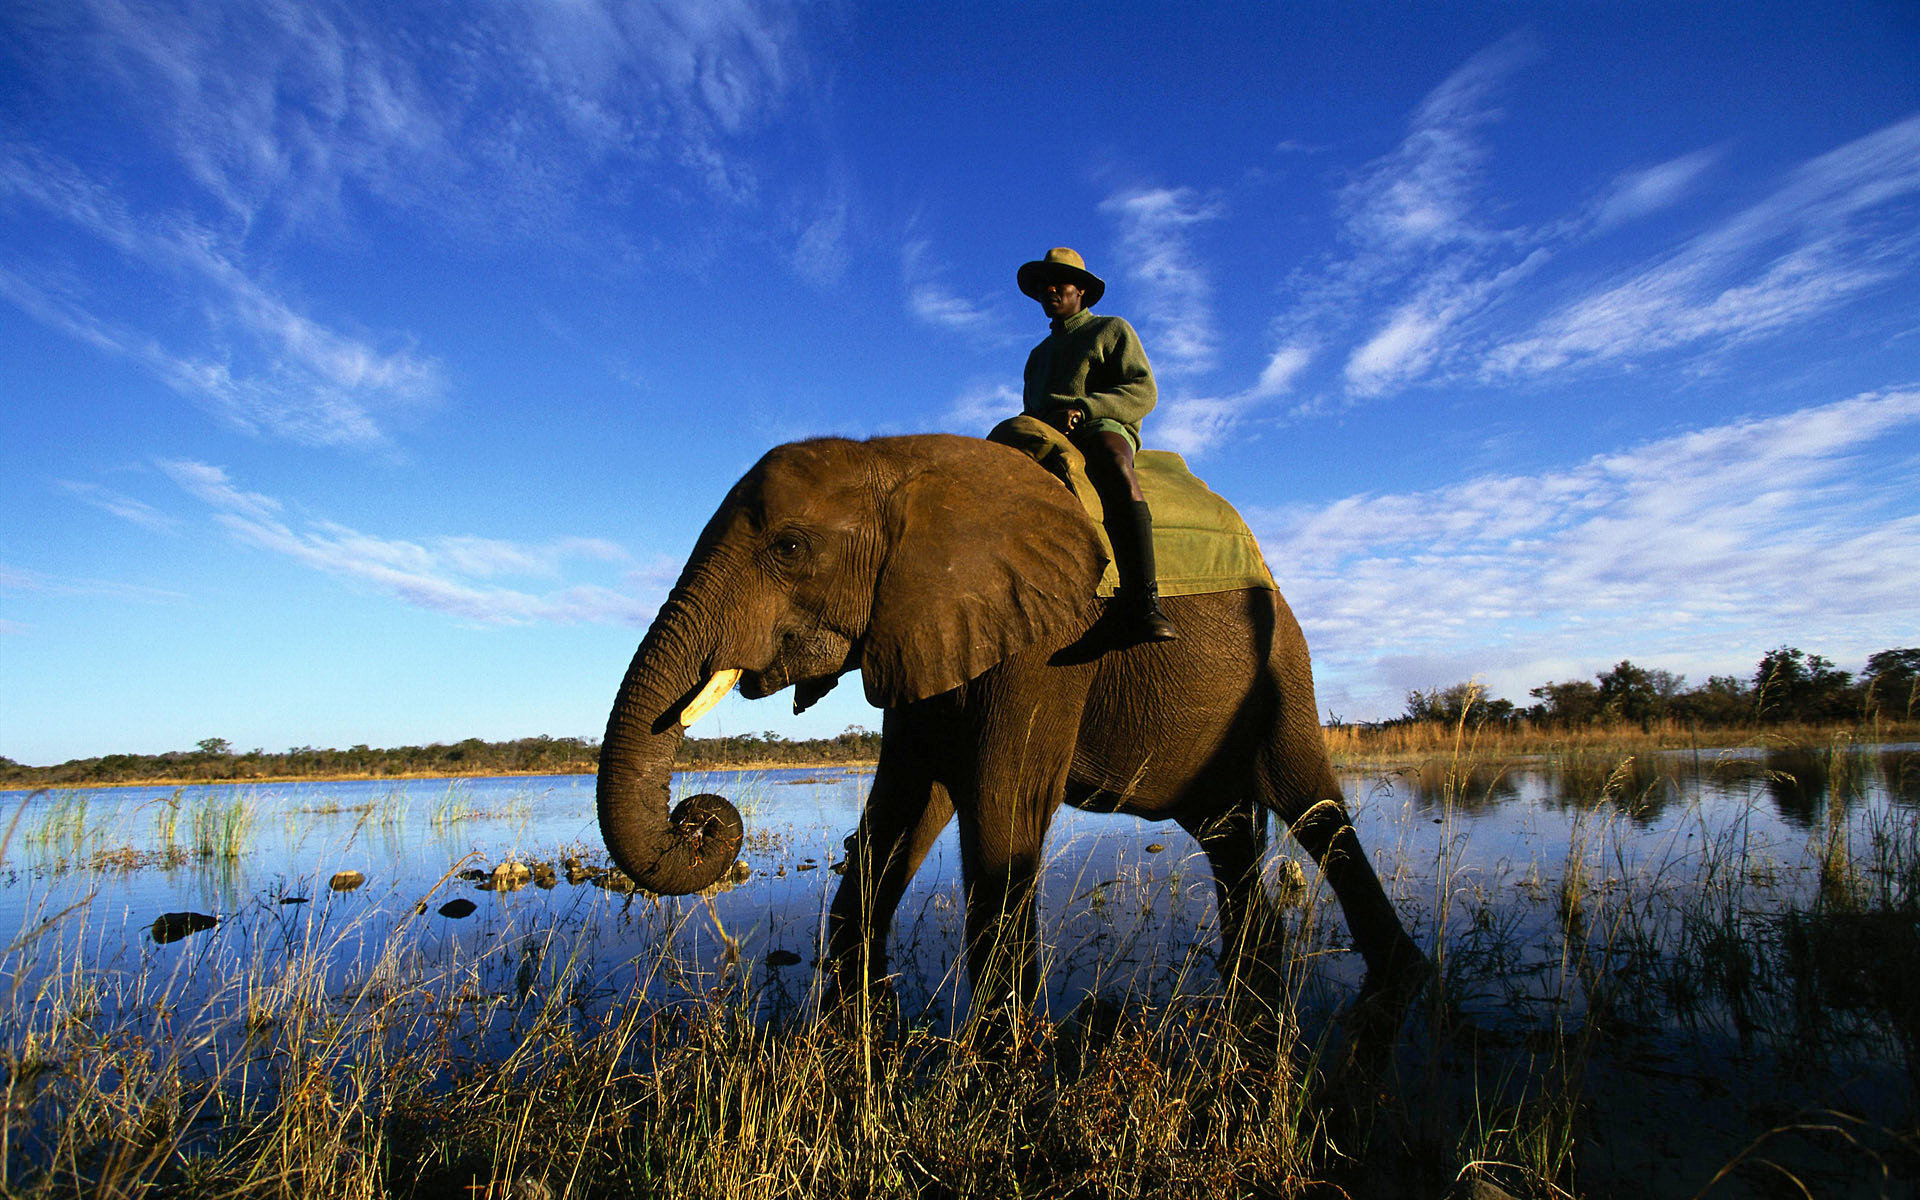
pixel 1090 379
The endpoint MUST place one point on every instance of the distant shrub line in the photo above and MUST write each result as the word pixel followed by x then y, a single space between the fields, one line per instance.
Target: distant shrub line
pixel 1789 687
pixel 214 760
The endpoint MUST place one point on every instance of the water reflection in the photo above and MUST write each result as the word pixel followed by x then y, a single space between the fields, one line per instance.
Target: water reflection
pixel 1900 774
pixel 1731 919
pixel 490 886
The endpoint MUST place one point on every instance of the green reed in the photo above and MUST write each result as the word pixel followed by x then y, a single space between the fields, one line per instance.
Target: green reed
pixel 295 1078
pixel 221 823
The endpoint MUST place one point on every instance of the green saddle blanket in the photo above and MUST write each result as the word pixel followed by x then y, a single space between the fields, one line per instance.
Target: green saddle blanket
pixel 1200 544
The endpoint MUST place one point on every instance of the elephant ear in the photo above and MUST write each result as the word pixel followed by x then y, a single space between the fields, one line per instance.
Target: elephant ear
pixel 987 555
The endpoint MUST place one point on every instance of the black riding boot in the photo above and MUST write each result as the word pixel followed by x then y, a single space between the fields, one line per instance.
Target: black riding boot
pixel 1135 611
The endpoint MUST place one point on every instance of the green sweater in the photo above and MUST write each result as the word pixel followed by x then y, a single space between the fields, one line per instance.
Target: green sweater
pixel 1094 363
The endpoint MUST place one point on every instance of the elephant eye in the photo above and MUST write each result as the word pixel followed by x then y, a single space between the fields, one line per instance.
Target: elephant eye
pixel 788 546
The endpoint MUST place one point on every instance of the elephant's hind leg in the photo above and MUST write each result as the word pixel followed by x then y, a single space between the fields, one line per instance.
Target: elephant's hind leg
pixel 1251 962
pixel 1235 841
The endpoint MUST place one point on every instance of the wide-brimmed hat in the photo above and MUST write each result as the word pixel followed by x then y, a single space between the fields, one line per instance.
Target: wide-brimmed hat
pixel 1061 263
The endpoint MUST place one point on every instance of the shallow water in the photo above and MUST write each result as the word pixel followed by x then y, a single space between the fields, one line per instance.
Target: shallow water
pixel 86 873
pixel 1667 896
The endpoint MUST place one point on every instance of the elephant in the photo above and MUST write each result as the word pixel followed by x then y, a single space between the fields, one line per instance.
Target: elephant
pixel 958 577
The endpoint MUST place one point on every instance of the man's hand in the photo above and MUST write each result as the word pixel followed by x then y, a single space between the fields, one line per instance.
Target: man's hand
pixel 1068 419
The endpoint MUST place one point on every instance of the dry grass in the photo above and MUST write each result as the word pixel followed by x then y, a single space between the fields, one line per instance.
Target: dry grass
pixel 1367 745
pixel 534 1071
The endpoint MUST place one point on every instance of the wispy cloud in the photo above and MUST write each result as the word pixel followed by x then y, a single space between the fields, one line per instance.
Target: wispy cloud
pixel 497 111
pixel 1413 339
pixel 138 512
pixel 1415 220
pixel 1426 192
pixel 211 485
pixel 1192 425
pixel 258 363
pixel 1641 193
pixel 1430 287
pixel 449 574
pixel 236 132
pixel 1695 552
pixel 1171 296
pixel 932 300
pixel 19 579
pixel 1832 230
pixel 1418 261
pixel 978 409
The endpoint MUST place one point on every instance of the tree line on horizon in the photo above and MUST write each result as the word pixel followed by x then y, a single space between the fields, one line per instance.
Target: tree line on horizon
pixel 1788 686
pixel 214 759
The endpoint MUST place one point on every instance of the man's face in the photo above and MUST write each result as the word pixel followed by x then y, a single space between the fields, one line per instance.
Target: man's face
pixel 1060 299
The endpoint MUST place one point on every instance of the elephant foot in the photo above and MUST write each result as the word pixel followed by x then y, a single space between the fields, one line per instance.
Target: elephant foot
pixel 853 1008
pixel 1080 1040
pixel 1259 1006
pixel 1389 992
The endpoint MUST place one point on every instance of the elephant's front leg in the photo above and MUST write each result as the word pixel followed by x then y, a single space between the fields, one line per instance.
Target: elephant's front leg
pixel 1001 845
pixel 1397 969
pixel 1027 723
pixel 902 820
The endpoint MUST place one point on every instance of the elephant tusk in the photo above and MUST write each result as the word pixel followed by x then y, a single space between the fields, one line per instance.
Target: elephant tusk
pixel 710 695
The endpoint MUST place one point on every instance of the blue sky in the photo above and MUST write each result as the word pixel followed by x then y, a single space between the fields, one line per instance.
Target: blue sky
pixel 368 369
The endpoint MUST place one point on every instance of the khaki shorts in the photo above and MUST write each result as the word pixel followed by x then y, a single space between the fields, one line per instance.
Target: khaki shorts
pixel 1109 425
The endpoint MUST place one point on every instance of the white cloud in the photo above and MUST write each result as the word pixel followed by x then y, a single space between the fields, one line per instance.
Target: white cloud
pixel 1639 193
pixel 138 512
pixel 1427 290
pixel 211 485
pixel 1423 194
pixel 260 365
pixel 1276 379
pixel 979 409
pixel 1192 425
pixel 819 254
pixel 17 579
pixel 446 574
pixel 1411 341
pixel 1401 350
pixel 932 301
pixel 1171 296
pixel 1695 552
pixel 241 130
pixel 1422 261
pixel 1831 231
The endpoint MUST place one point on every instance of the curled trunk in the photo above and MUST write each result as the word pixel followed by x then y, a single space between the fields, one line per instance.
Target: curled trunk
pixel 672 852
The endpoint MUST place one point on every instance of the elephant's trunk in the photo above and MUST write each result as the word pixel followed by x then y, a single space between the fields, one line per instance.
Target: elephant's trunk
pixel 688 849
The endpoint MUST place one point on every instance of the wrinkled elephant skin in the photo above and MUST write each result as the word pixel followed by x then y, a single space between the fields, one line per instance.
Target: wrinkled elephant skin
pixel 958 578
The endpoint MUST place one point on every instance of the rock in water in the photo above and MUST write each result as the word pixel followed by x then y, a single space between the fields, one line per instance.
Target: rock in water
pixel 511 876
pixel 171 927
pixel 782 958
pixel 457 908
pixel 346 881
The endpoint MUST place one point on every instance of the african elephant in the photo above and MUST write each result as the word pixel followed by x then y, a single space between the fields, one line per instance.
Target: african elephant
pixel 958 577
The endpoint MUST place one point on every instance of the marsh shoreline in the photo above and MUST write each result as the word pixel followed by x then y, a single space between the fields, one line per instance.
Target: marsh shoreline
pixel 1387 746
